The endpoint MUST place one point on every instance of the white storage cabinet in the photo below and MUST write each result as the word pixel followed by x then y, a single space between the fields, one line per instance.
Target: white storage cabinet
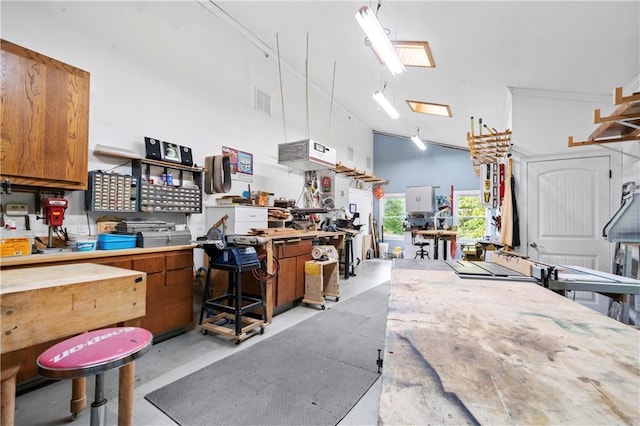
pixel 420 199
pixel 241 219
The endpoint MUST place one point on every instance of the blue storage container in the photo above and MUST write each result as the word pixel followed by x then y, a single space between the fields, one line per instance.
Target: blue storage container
pixel 116 241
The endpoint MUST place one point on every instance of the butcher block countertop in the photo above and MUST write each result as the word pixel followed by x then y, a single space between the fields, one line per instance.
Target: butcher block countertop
pixel 470 351
pixel 45 303
pixel 66 256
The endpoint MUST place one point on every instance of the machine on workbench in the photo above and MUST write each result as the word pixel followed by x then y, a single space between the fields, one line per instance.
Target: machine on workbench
pixel 227 314
pixel 559 278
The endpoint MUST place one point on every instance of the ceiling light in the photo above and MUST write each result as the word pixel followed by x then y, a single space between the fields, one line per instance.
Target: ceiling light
pixel 412 53
pixel 386 105
pixel 416 139
pixel 429 108
pixel 379 41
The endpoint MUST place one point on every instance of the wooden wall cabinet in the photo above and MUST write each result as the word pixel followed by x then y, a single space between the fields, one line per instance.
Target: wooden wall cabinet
pixel 44 120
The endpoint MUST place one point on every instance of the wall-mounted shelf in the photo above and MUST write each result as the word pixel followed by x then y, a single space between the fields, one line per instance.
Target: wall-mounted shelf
pixel 488 148
pixel 183 195
pixel 358 174
pixel 621 126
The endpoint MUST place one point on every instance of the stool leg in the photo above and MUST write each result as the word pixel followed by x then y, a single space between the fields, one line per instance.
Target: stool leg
pixel 78 396
pixel 125 394
pixel 99 404
pixel 8 391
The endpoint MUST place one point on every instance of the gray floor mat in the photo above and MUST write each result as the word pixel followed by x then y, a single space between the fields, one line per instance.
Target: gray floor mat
pixel 310 374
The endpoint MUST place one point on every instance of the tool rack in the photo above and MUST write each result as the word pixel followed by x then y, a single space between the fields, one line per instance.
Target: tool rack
pixel 231 319
pixel 622 125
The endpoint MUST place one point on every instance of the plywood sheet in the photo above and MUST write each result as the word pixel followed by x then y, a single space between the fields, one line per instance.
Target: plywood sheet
pixel 501 352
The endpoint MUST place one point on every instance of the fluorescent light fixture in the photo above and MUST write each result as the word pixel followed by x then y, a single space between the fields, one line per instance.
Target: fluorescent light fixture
pixel 412 53
pixel 430 108
pixel 416 139
pixel 386 105
pixel 379 41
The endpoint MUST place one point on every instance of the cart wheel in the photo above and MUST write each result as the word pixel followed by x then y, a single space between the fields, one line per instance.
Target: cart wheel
pixel 261 330
pixel 322 307
pixel 237 341
pixel 306 304
pixel 74 416
pixel 203 332
pixel 337 299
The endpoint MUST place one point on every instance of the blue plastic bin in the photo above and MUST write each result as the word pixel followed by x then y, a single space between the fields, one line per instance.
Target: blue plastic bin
pixel 116 241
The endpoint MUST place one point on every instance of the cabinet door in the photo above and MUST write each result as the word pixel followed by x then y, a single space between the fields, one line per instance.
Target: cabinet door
pixel 286 281
pixel 45 120
pixel 419 199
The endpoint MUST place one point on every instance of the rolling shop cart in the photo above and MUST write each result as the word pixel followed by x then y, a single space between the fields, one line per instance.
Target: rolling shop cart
pixel 320 280
pixel 226 314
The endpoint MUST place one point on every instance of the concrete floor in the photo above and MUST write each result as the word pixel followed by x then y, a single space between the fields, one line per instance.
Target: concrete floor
pixel 182 355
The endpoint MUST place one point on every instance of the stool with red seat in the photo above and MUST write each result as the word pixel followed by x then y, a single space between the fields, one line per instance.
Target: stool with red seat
pixel 93 353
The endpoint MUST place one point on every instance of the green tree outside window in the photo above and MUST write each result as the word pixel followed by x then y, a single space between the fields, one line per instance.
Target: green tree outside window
pixel 471 218
pixel 393 216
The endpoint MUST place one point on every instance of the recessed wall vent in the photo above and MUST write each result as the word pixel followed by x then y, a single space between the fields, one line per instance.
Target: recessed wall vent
pixel 263 102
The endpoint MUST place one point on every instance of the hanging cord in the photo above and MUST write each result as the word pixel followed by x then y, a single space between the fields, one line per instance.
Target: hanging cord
pixel 306 88
pixel 333 83
pixel 261 272
pixel 284 124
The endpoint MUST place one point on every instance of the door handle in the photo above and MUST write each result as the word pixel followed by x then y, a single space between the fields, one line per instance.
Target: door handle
pixel 534 245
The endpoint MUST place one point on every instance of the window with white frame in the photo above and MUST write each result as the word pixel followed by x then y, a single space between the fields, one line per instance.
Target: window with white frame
pixel 392 215
pixel 470 217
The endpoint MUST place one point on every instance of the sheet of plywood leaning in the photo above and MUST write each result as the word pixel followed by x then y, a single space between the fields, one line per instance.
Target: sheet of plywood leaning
pixel 501 352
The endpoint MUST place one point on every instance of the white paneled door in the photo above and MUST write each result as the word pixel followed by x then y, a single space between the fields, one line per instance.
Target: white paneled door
pixel 568 205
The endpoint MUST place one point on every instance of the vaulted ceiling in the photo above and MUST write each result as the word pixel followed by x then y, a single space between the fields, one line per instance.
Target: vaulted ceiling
pixel 480 49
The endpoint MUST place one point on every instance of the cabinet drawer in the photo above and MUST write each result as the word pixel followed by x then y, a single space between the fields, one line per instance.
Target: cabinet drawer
pixel 149 264
pixel 179 260
pixel 290 249
pixel 250 214
pixel 120 263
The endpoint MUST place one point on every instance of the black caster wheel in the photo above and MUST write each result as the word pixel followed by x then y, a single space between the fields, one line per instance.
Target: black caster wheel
pixel 261 330
pixel 204 332
pixel 322 307
pixel 306 304
pixel 237 342
pixel 337 299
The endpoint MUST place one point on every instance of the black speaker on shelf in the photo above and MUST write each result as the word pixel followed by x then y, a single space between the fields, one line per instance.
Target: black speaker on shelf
pixel 186 156
pixel 153 147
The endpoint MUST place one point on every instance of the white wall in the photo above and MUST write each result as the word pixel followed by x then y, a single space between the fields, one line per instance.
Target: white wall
pixel 175 71
pixel 542 121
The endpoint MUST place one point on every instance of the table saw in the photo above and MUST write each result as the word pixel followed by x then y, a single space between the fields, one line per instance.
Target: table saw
pixel 513 267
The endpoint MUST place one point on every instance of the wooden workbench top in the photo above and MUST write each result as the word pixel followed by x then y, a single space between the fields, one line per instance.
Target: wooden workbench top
pixel 293 234
pixel 49 302
pixel 66 256
pixel 438 232
pixel 462 351
pixel 17 280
